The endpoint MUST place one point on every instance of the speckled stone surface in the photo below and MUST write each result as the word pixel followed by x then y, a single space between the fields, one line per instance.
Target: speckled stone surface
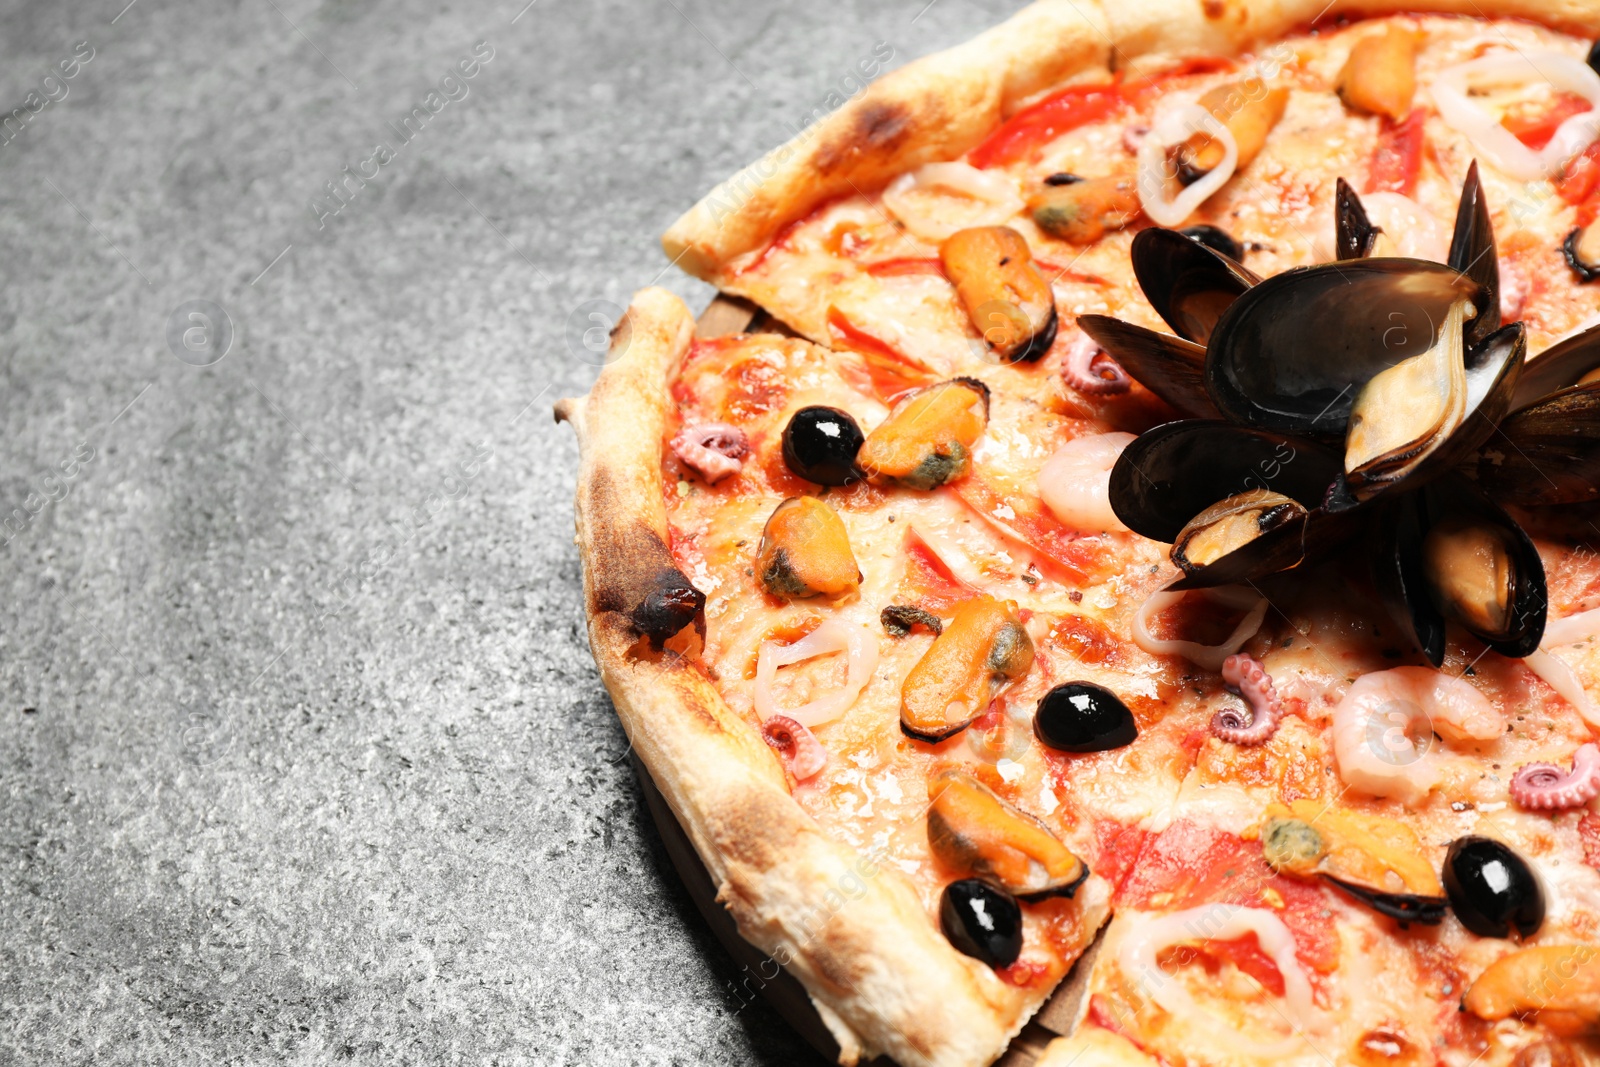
pixel 303 757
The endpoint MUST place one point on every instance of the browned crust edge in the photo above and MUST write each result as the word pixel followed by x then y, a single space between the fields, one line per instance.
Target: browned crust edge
pixel 883 978
pixel 939 107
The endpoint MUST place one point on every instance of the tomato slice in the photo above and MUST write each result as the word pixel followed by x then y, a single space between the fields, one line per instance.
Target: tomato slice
pixel 1189 863
pixel 1580 184
pixel 1535 129
pixel 1398 157
pixel 1246 954
pixel 1118 847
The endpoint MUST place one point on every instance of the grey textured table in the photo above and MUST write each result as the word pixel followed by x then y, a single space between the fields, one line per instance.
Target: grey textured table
pixel 302 753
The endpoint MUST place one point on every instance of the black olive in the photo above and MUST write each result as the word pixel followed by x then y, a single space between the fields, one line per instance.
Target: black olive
pixel 820 445
pixel 1492 888
pixel 1594 57
pixel 982 921
pixel 1083 717
pixel 1062 178
pixel 1216 239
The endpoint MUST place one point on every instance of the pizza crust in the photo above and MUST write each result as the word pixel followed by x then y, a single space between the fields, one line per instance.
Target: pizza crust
pixel 883 978
pixel 943 105
pixel 934 108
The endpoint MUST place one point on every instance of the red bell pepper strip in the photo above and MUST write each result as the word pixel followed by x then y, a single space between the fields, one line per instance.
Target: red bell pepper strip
pixel 891 370
pixel 1398 157
pixel 888 268
pixel 1023 134
pixel 928 580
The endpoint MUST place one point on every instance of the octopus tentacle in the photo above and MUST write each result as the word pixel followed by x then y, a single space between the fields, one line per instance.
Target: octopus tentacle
pixel 1546 787
pixel 802 753
pixel 1245 676
pixel 1088 369
pixel 714 449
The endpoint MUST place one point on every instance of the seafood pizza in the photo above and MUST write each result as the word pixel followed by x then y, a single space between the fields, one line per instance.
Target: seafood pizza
pixel 1152 541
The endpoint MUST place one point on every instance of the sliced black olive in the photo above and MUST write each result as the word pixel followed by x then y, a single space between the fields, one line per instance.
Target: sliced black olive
pixel 982 921
pixel 1216 239
pixel 1062 178
pixel 1594 57
pixel 1492 889
pixel 1083 717
pixel 820 445
pixel 1586 271
pixel 1406 908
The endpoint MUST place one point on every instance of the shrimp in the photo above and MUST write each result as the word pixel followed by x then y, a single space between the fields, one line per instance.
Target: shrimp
pixel 1075 482
pixel 1383 729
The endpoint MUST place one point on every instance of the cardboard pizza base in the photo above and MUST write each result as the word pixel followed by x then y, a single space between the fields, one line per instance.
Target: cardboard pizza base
pixel 783 992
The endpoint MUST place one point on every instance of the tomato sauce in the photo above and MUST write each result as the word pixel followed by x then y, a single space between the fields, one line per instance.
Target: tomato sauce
pixel 1189 864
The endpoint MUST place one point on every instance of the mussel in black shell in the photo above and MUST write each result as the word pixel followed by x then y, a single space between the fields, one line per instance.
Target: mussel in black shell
pixel 1188 283
pixel 1355 236
pixel 1292 353
pixel 1215 238
pixel 1374 399
pixel 1376 859
pixel 1234 503
pixel 1582 251
pixel 1452 554
pixel 1547 451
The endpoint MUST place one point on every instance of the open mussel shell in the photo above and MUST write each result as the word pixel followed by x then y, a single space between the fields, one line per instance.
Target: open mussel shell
pixel 1354 233
pixel 1175 472
pixel 1547 450
pixel 1547 453
pixel 1454 554
pixel 1493 370
pixel 1472 247
pixel 1292 353
pixel 1472 252
pixel 1189 284
pixel 1170 367
pixel 1170 474
pixel 1398 572
pixel 1561 366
